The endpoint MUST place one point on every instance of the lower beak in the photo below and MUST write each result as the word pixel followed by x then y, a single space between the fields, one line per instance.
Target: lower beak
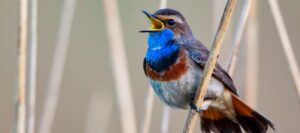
pixel 156 25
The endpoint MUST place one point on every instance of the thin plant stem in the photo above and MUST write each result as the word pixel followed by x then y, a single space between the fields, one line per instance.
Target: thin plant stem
pixel 165 119
pixel 120 66
pixel 21 97
pixel 32 64
pixel 57 69
pixel 97 122
pixel 251 71
pixel 163 4
pixel 218 6
pixel 209 66
pixel 286 43
pixel 238 37
pixel 148 111
pixel 251 80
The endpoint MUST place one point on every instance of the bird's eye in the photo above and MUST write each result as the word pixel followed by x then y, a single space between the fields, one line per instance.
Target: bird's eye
pixel 171 22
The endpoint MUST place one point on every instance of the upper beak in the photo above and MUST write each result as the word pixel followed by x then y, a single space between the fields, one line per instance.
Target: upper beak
pixel 156 25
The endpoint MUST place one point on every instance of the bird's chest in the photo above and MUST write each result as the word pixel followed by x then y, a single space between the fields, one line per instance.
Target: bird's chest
pixel 177 92
pixel 177 85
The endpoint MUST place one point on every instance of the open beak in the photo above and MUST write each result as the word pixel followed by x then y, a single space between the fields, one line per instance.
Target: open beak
pixel 156 25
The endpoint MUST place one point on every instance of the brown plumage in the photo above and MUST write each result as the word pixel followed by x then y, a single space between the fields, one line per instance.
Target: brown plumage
pixel 174 71
pixel 219 122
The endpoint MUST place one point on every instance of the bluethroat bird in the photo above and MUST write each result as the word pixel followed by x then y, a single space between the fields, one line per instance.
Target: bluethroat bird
pixel 174 65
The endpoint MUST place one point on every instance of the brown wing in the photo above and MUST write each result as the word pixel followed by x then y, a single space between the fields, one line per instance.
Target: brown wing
pixel 199 54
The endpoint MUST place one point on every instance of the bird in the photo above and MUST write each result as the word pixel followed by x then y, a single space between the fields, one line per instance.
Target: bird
pixel 174 64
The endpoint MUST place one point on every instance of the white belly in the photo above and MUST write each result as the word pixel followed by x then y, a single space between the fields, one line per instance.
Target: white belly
pixel 178 93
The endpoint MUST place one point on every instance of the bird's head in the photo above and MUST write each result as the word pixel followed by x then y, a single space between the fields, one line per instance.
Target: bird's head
pixel 169 20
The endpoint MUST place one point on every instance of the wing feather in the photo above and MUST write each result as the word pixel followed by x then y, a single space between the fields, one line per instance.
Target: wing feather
pixel 199 54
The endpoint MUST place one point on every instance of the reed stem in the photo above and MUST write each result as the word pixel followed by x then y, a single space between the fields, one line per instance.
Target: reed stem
pixel 61 48
pixel 120 66
pixel 21 95
pixel 286 43
pixel 32 68
pixel 210 64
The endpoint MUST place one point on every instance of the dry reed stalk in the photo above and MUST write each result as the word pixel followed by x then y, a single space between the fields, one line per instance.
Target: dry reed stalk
pixel 150 97
pixel 21 97
pixel 165 119
pixel 32 64
pixel 61 48
pixel 252 42
pixel 238 37
pixel 286 43
pixel 97 117
pixel 148 111
pixel 163 4
pixel 251 81
pixel 218 8
pixel 209 66
pixel 120 67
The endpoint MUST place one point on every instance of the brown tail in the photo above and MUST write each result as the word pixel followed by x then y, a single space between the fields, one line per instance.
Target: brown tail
pixel 213 120
pixel 250 120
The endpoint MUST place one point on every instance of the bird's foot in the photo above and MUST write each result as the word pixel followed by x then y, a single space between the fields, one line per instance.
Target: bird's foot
pixel 194 107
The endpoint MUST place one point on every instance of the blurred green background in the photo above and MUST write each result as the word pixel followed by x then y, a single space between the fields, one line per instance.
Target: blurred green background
pixel 87 102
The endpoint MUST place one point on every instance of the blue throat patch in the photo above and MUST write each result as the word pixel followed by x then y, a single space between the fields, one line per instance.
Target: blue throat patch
pixel 162 51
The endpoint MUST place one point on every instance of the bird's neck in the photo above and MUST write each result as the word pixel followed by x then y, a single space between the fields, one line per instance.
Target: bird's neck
pixel 162 50
pixel 184 38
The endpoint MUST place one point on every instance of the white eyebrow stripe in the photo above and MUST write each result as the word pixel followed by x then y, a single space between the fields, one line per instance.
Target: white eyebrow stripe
pixel 176 18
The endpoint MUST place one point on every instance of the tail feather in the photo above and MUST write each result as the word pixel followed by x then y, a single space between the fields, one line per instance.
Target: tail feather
pixel 212 120
pixel 250 120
